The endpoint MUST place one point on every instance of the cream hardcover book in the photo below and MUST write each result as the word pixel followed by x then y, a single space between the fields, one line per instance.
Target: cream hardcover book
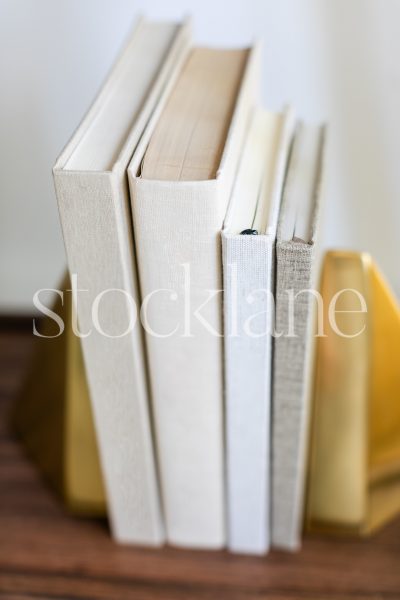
pixel 92 192
pixel 248 241
pixel 180 181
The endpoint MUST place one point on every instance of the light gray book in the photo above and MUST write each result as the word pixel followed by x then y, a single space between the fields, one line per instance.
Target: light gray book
pixel 92 193
pixel 295 259
pixel 248 241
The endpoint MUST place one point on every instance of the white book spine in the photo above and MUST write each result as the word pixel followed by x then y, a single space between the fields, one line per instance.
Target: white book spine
pixel 93 199
pixel 95 220
pixel 177 233
pixel 177 229
pixel 248 316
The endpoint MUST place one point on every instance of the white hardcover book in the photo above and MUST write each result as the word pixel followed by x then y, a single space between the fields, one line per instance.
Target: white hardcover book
pixel 248 242
pixel 177 223
pixel 92 192
pixel 295 261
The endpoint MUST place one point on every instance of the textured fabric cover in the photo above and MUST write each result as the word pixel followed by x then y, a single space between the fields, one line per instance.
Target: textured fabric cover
pixel 290 402
pixel 97 229
pixel 248 388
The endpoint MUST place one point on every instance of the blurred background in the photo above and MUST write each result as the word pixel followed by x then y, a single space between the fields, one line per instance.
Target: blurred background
pixel 336 61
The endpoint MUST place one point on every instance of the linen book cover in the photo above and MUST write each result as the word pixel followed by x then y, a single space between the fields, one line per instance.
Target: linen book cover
pixel 91 187
pixel 248 241
pixel 177 228
pixel 295 275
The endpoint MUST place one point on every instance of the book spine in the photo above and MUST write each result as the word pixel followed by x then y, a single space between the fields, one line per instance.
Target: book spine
pixel 94 213
pixel 177 232
pixel 290 402
pixel 248 318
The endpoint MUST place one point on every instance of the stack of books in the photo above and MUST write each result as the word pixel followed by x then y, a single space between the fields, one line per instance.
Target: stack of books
pixel 189 215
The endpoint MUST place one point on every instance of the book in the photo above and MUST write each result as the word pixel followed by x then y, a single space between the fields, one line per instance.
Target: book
pixel 92 193
pixel 354 471
pixel 180 181
pixel 295 273
pixel 53 416
pixel 248 242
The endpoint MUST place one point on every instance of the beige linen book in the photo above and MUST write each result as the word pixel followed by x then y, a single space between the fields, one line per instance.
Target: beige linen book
pixel 179 196
pixel 248 242
pixel 295 260
pixel 92 193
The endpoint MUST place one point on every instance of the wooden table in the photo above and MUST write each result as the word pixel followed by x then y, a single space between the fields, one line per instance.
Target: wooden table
pixel 46 553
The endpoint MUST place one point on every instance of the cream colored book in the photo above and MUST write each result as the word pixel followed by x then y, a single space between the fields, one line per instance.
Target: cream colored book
pixel 181 179
pixel 92 193
pixel 248 242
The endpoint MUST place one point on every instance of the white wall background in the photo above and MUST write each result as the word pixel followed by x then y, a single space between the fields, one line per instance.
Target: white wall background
pixel 335 60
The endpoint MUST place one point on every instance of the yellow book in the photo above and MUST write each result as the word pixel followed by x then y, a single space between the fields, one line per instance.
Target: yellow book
pixel 354 478
pixel 54 419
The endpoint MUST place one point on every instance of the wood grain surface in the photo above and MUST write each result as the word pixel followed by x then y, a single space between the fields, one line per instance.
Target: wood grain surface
pixel 46 553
